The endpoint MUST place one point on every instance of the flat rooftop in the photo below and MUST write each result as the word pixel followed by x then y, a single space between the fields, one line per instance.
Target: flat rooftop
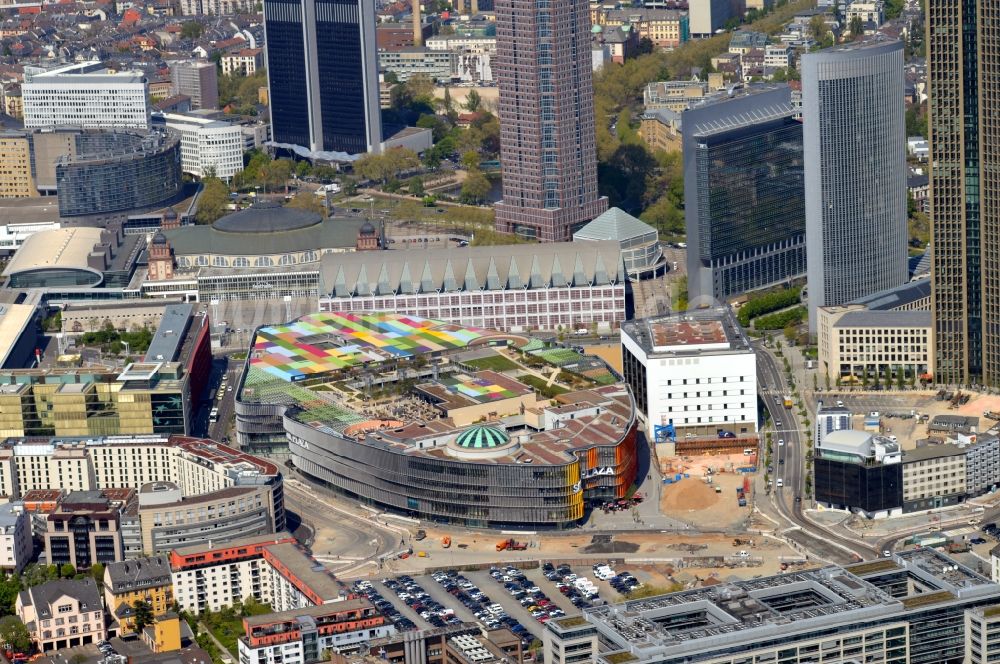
pixel 704 331
pixel 307 571
pixel 739 614
pixel 311 611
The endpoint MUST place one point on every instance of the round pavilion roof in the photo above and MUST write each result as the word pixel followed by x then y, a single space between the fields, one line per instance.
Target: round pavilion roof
pixel 267 217
pixel 482 437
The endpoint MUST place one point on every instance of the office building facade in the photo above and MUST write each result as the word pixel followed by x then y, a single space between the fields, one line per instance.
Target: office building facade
pixel 860 472
pixel 207 146
pixel 548 151
pixel 198 79
pixel 85 95
pixel 855 167
pixel 323 75
pixel 964 206
pixel 745 193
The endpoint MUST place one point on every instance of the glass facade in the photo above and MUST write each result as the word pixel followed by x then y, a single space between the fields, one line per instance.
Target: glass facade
pixel 118 171
pixel 339 54
pixel 286 69
pixel 44 278
pixel 872 488
pixel 751 205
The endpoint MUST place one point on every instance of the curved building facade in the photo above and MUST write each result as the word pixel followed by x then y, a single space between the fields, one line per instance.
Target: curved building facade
pixel 854 140
pixel 474 448
pixel 118 170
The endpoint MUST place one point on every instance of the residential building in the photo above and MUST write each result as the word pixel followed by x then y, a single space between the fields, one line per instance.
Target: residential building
pixel 216 7
pixel 744 41
pixel 982 465
pixel 918 147
pixel 934 476
pixel 660 129
pixel 548 151
pixel 15 537
pixel 744 183
pixel 964 226
pixel 62 614
pixel 196 79
pixel 84 94
pixel 13 102
pixel 143 579
pixel 666 28
pixel 889 611
pixel 676 96
pixel 207 146
pixel 513 288
pixel 438 66
pixel 244 62
pixel 856 345
pixel 639 242
pixel 859 472
pixel 867 11
pixel 228 493
pixel 983 627
pixel 16 178
pixel 707 16
pixel 778 56
pixel 272 569
pixel 323 76
pixel 304 635
pixel 855 170
pixel 919 188
pixel 86 528
pixel 695 371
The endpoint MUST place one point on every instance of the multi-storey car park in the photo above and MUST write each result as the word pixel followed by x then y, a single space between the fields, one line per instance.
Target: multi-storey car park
pixel 426 418
pixel 918 607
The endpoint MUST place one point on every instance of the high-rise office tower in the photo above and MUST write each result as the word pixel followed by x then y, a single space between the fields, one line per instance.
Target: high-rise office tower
pixel 197 79
pixel 744 187
pixel 854 134
pixel 963 118
pixel 322 74
pixel 547 143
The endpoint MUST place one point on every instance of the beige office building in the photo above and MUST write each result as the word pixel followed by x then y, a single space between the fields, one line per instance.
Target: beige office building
pixel 853 341
pixel 16 180
pixel 934 473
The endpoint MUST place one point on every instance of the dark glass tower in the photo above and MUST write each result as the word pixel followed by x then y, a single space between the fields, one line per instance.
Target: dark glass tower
pixel 547 143
pixel 322 73
pixel 744 183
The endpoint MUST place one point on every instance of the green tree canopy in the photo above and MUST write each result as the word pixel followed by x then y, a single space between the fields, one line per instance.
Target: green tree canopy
pixel 213 200
pixel 14 633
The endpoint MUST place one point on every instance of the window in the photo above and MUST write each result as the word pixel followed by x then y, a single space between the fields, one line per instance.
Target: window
pixel 65 608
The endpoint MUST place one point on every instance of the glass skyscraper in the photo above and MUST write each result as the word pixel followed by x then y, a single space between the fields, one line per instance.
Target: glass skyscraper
pixel 963 64
pixel 855 153
pixel 743 183
pixel 322 71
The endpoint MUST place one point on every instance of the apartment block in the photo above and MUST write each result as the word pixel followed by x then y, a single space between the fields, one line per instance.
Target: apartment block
pixel 667 28
pixel 86 528
pixel 303 635
pixel 15 537
pixel 16 174
pixel 244 62
pixel 196 79
pixel 143 579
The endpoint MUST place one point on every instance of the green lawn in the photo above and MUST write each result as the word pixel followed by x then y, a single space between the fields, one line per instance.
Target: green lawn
pixel 227 624
pixel 547 391
pixel 497 363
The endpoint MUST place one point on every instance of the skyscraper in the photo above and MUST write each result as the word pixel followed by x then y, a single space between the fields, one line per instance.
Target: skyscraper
pixel 855 152
pixel 547 143
pixel 745 193
pixel 322 74
pixel 965 207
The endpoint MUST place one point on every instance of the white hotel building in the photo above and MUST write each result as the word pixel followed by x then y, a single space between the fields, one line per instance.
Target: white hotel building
pixel 207 146
pixel 695 370
pixel 86 95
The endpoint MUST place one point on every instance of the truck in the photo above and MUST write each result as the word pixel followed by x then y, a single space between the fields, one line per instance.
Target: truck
pixel 788 402
pixel 511 545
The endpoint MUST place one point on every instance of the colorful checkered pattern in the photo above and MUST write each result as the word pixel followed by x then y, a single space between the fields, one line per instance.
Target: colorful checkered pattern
pixel 320 343
pixel 480 389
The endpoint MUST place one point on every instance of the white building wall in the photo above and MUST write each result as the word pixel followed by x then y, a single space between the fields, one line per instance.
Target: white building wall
pixel 209 147
pixel 508 310
pixel 15 541
pixel 65 100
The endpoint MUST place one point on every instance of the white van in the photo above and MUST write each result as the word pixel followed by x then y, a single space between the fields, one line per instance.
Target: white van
pixel 780 483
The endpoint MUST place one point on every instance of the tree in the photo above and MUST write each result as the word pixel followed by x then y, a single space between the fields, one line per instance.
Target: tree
pixel 473 102
pixel 97 571
pixel 470 160
pixel 646 46
pixel 475 188
pixel 192 30
pixel 14 633
pixel 438 127
pixel 10 586
pixel 67 571
pixel 415 185
pixel 817 27
pixel 213 200
pixel 857 27
pixel 143 615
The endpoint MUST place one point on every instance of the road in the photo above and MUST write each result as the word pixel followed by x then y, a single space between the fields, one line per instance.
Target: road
pixel 340 533
pixel 824 543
